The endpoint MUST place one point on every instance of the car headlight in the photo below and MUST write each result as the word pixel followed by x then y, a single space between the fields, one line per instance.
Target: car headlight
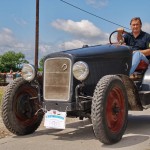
pixel 80 70
pixel 28 72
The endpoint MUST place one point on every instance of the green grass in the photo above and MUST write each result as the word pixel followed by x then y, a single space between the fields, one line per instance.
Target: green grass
pixel 1 94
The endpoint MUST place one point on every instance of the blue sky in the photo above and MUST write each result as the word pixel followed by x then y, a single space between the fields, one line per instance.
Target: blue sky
pixel 63 26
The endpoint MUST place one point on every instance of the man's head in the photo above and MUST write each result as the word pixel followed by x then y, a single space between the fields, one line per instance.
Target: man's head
pixel 136 25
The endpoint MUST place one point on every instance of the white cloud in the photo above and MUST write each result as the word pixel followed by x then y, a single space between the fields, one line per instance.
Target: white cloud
pixel 97 3
pixel 9 41
pixel 146 27
pixel 82 33
pixel 83 30
pixel 71 44
pixel 44 47
pixel 6 37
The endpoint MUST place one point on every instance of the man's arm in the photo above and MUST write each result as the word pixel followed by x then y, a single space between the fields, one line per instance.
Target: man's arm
pixel 119 35
pixel 146 52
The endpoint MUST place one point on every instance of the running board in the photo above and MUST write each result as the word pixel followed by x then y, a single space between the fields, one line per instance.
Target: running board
pixel 146 106
pixel 144 92
pixel 145 98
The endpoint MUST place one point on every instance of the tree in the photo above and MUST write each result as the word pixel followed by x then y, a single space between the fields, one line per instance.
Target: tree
pixel 41 64
pixel 12 60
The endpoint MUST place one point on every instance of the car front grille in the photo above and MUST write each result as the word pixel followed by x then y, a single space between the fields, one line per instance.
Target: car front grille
pixel 57 79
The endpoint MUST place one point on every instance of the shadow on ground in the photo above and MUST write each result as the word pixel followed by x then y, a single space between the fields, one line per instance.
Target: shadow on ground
pixel 137 132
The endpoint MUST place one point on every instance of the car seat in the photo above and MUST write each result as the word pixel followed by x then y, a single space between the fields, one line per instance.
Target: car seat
pixel 142 66
pixel 139 72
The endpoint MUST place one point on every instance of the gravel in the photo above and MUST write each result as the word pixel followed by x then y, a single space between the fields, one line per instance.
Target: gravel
pixel 3 131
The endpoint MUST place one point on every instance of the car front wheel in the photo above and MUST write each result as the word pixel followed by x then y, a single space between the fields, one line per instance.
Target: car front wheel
pixel 109 109
pixel 19 107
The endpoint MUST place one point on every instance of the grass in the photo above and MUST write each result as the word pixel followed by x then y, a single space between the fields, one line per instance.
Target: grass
pixel 1 94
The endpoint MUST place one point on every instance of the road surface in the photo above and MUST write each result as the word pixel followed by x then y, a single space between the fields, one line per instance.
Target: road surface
pixel 78 135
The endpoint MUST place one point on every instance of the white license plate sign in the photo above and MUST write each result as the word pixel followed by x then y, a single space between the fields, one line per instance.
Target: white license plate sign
pixel 55 119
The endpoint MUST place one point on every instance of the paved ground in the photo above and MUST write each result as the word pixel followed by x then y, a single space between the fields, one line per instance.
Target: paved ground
pixel 79 136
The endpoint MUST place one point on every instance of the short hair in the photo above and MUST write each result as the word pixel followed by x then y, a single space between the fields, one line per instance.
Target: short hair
pixel 136 18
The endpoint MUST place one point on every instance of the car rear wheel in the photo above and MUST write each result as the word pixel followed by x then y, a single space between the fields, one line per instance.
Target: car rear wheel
pixel 109 109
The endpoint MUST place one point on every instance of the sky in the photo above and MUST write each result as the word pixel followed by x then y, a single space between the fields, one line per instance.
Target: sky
pixel 63 26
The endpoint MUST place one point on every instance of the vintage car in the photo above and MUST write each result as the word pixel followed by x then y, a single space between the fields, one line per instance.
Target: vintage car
pixel 89 82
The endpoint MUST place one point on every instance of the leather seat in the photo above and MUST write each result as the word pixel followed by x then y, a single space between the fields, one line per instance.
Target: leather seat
pixel 138 74
pixel 142 66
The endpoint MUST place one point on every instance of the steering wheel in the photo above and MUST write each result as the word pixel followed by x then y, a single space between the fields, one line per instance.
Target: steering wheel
pixel 110 37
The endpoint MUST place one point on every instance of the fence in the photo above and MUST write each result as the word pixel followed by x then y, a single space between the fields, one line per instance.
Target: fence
pixel 6 78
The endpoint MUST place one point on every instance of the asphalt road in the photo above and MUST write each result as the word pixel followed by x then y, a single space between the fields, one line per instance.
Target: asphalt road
pixel 78 135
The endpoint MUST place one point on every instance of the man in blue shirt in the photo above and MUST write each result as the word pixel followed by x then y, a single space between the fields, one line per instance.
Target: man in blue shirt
pixel 138 40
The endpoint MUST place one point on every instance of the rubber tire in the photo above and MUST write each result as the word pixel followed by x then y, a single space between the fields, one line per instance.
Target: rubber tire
pixel 99 114
pixel 13 96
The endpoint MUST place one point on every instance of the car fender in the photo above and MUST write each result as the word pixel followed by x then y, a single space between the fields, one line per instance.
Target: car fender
pixel 132 93
pixel 146 80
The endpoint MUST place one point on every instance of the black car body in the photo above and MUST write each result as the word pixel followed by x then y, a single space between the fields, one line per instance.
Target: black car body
pixel 91 82
pixel 102 60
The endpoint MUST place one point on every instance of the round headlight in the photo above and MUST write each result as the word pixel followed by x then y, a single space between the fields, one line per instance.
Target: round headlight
pixel 28 72
pixel 80 70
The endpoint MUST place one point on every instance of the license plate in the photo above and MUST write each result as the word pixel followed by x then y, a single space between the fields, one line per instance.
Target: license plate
pixel 55 119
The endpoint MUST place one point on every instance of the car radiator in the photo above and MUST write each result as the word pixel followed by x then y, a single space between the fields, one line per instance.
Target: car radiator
pixel 57 76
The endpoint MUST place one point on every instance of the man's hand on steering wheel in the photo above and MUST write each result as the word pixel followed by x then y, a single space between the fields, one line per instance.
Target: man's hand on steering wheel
pixel 120 31
pixel 120 35
pixel 120 38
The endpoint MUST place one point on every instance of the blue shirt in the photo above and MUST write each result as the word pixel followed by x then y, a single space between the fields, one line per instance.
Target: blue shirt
pixel 139 43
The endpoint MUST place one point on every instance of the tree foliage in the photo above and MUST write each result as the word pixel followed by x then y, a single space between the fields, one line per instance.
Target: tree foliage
pixel 41 64
pixel 12 60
